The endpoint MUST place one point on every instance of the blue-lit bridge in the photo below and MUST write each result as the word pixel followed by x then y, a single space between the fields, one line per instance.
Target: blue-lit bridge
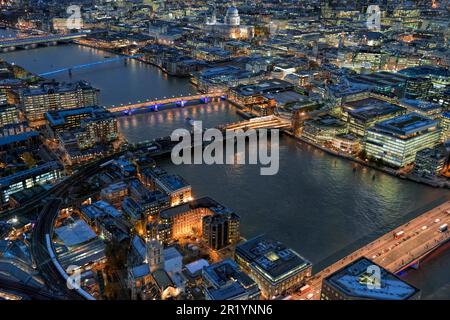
pixel 89 65
pixel 34 41
pixel 155 104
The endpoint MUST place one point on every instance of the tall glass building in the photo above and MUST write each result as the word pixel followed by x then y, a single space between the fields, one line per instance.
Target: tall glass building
pixel 396 141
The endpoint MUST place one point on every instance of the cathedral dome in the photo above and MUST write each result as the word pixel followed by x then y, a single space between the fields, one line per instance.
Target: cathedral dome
pixel 232 17
pixel 232 11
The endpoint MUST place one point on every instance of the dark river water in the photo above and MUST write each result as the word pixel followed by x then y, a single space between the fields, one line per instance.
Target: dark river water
pixel 317 203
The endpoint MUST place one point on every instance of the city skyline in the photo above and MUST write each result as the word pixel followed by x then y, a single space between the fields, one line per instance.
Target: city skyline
pixel 247 150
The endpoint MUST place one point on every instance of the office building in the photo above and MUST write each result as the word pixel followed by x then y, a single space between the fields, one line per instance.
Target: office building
pixel 154 203
pixel 29 139
pixel 178 190
pixel 277 269
pixel 36 101
pixel 430 162
pixel 186 219
pixel 356 281
pixel 384 83
pixel 425 108
pixel 347 143
pixel 225 281
pixel 114 193
pixel 323 129
pixel 396 141
pixel 221 229
pixel 418 88
pixel 103 128
pixel 445 124
pixel 67 119
pixel 132 209
pixel 362 114
pixel 259 95
pixel 113 229
pixel 159 231
pixel 97 211
pixel 8 114
pixel 39 175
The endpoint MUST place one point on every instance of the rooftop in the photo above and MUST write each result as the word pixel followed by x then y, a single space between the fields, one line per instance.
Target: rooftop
pixel 271 258
pixel 263 87
pixel 226 281
pixel 421 105
pixel 81 255
pixel 326 121
pixel 18 137
pixel 58 117
pixel 169 183
pixel 196 266
pixel 55 87
pixel 426 71
pixel 371 108
pixel 100 209
pixel 354 280
pixel 380 79
pixel 22 175
pixel 75 233
pixel 171 253
pixel 205 202
pixel 406 125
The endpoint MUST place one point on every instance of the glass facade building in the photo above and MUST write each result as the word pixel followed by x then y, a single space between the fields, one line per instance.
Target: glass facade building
pixel 396 141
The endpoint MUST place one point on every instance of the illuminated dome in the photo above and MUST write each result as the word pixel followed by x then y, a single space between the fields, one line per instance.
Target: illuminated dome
pixel 232 11
pixel 232 17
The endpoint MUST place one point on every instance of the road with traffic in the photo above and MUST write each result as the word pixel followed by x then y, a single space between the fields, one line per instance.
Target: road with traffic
pixel 395 250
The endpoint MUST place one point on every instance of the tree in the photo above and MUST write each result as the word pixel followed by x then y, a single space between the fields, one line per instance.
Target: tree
pixel 116 254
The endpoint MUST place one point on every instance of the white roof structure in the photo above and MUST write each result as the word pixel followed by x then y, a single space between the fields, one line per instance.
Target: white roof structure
pixel 76 233
pixel 195 267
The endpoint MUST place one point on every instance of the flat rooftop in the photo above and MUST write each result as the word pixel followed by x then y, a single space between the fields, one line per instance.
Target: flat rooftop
pixel 381 79
pixel 75 233
pixel 272 259
pixel 354 281
pixel 58 117
pixel 173 182
pixel 426 71
pixel 406 125
pixel 371 108
pixel 205 202
pixel 264 86
pixel 56 88
pixel 228 281
pixel 18 137
pixel 326 121
pixel 421 105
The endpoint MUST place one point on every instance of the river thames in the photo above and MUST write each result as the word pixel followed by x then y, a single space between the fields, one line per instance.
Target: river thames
pixel 322 206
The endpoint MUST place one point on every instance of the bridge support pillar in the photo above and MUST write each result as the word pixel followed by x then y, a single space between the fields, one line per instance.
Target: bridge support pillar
pixel 181 103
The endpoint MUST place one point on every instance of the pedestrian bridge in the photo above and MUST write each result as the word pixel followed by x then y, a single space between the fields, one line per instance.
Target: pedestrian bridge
pixel 89 65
